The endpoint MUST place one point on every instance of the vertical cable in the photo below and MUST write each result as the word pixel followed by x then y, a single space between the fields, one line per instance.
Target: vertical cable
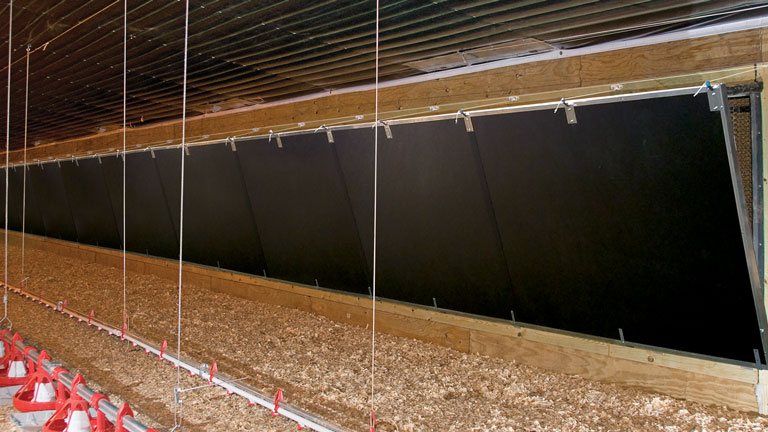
pixel 24 170
pixel 125 79
pixel 7 160
pixel 181 210
pixel 375 210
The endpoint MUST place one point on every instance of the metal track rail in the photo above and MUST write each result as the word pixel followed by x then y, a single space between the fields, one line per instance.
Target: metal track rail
pixel 253 395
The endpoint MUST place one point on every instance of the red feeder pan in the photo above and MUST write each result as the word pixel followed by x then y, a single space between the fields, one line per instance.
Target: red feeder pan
pixel 38 393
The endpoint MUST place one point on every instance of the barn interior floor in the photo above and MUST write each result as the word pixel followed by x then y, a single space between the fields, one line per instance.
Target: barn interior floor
pixel 323 366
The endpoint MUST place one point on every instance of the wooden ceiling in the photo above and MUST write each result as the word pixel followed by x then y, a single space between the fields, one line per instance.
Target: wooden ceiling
pixel 245 52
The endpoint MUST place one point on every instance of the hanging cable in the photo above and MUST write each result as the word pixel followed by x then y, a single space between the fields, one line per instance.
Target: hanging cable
pixel 7 153
pixel 177 418
pixel 125 80
pixel 375 208
pixel 24 171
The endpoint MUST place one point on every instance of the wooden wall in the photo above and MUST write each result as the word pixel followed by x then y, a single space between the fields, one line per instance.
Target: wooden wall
pixel 676 375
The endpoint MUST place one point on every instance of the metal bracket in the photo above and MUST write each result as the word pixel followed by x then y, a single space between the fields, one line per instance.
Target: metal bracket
pixel 387 129
pixel 186 148
pixel 713 95
pixel 328 133
pixel 570 111
pixel 277 137
pixel 231 141
pixel 152 152
pixel 570 114
pixel 467 120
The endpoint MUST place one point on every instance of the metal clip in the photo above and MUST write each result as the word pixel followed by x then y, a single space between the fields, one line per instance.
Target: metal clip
pixel 99 158
pixel 514 98
pixel 75 161
pixel 152 152
pixel 570 111
pixel 231 141
pixel 58 162
pixel 387 129
pixel 434 108
pixel 617 87
pixel 328 133
pixel 277 138
pixel 467 120
pixel 186 148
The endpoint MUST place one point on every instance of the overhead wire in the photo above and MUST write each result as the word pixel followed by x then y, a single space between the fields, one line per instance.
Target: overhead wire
pixel 125 96
pixel 375 222
pixel 24 174
pixel 7 155
pixel 177 418
pixel 44 45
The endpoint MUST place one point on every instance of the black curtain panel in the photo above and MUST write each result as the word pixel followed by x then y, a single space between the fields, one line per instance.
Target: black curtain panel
pixel 626 219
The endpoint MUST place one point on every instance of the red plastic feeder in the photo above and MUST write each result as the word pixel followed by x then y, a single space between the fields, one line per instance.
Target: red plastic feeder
pixel 15 373
pixel 38 393
pixel 5 359
pixel 73 415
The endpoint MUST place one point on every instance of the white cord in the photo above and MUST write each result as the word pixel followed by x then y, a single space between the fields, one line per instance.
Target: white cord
pixel 125 79
pixel 181 210
pixel 7 153
pixel 375 208
pixel 24 170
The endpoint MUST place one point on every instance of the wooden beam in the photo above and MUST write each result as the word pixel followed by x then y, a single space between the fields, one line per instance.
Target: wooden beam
pixel 672 64
pixel 677 375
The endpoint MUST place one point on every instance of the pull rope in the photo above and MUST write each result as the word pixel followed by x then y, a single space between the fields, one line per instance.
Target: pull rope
pixel 125 79
pixel 375 220
pixel 7 153
pixel 178 414
pixel 24 169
